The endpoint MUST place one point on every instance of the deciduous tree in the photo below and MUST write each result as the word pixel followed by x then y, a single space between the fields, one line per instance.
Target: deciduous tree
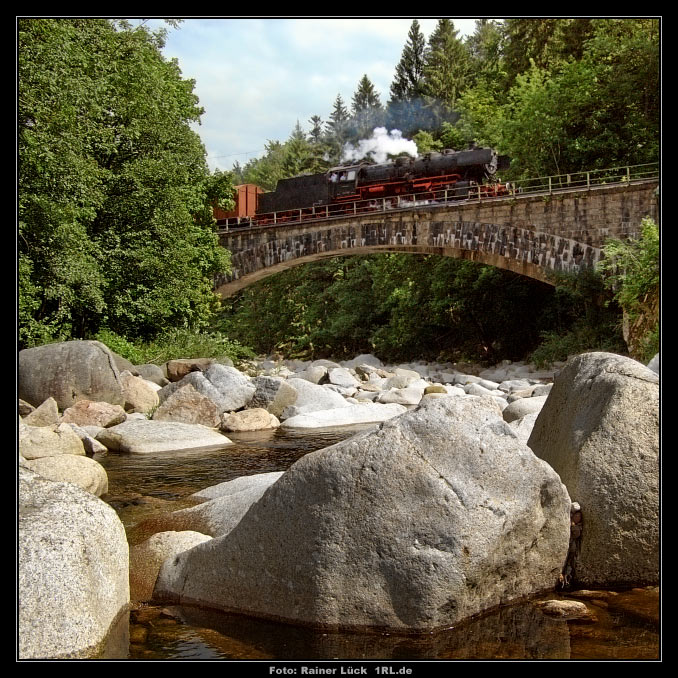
pixel 113 185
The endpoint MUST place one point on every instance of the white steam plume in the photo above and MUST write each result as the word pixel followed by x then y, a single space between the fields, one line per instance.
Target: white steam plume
pixel 380 146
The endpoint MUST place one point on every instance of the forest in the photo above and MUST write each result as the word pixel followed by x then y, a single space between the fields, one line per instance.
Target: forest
pixel 115 198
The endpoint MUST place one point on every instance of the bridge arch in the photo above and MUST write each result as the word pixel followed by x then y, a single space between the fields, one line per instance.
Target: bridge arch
pixel 532 235
pixel 230 288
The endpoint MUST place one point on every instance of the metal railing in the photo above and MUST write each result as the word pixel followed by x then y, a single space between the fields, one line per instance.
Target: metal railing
pixel 559 183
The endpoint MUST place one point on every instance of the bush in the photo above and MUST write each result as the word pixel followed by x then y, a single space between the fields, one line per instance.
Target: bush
pixel 176 344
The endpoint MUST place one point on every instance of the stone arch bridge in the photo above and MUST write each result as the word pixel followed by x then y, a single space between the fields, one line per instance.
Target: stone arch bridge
pixel 530 234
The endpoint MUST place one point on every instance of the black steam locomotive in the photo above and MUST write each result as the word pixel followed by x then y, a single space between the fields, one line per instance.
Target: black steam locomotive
pixel 448 175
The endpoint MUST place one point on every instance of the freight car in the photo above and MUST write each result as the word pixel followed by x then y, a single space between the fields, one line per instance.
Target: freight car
pixel 448 175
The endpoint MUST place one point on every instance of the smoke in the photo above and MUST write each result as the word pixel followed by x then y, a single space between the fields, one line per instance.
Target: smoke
pixel 380 146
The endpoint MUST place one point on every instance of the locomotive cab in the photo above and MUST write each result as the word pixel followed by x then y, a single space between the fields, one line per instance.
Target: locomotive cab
pixel 342 182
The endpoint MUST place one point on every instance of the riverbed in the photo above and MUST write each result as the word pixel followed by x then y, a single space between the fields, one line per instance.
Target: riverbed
pixel 625 625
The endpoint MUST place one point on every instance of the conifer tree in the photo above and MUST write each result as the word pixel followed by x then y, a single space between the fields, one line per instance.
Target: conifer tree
pixel 365 97
pixel 447 66
pixel 367 109
pixel 297 153
pixel 409 77
pixel 337 129
pixel 319 150
pixel 405 107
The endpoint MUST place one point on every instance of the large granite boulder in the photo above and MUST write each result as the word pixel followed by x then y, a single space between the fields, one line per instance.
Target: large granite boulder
pixel 68 372
pixel 73 570
pixel 599 430
pixel 435 516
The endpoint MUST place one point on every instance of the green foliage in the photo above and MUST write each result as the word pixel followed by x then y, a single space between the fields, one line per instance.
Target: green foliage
pixel 425 142
pixel 632 267
pixel 114 192
pixel 601 110
pixel 173 345
pixel 121 346
pixel 586 319
pixel 632 273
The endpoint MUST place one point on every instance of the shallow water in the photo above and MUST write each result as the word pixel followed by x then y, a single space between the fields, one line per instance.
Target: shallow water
pixel 625 626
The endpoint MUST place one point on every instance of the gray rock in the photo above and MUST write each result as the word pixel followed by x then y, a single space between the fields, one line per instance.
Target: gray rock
pixel 227 504
pixel 654 364
pixel 519 408
pixel 479 389
pixel 123 364
pixel 153 373
pixel 541 389
pixel 312 398
pixel 363 359
pixel 402 396
pixel 79 470
pixel 261 480
pixel 314 373
pixel 363 413
pixel 143 436
pixel 68 372
pixel 25 408
pixel 565 609
pixel 185 404
pixel 236 389
pixel 523 427
pixel 599 430
pixel 225 386
pixel 46 414
pixel 437 515
pixel 176 370
pixel 255 419
pixel 273 394
pixel 73 570
pixel 340 376
pixel 511 385
pixel 88 438
pixel 90 413
pixel 139 395
pixel 146 558
pixel 46 441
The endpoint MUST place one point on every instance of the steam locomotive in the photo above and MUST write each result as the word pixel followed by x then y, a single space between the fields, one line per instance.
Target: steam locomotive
pixel 448 175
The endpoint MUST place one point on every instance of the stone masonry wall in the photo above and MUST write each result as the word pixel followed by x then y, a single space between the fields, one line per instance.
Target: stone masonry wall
pixel 531 235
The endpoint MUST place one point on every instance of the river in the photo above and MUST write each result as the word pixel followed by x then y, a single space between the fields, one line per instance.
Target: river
pixel 626 625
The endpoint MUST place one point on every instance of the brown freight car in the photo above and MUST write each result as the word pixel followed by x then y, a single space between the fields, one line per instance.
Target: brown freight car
pixel 246 200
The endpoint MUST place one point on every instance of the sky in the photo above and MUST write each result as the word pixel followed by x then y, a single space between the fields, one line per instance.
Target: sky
pixel 255 77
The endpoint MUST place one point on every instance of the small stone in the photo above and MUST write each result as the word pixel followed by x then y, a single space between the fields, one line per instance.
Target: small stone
pixel 570 609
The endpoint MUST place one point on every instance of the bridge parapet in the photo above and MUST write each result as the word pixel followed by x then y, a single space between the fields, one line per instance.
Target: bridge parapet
pixel 532 234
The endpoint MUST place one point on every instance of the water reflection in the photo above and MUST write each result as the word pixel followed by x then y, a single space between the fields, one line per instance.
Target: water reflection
pixel 141 486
